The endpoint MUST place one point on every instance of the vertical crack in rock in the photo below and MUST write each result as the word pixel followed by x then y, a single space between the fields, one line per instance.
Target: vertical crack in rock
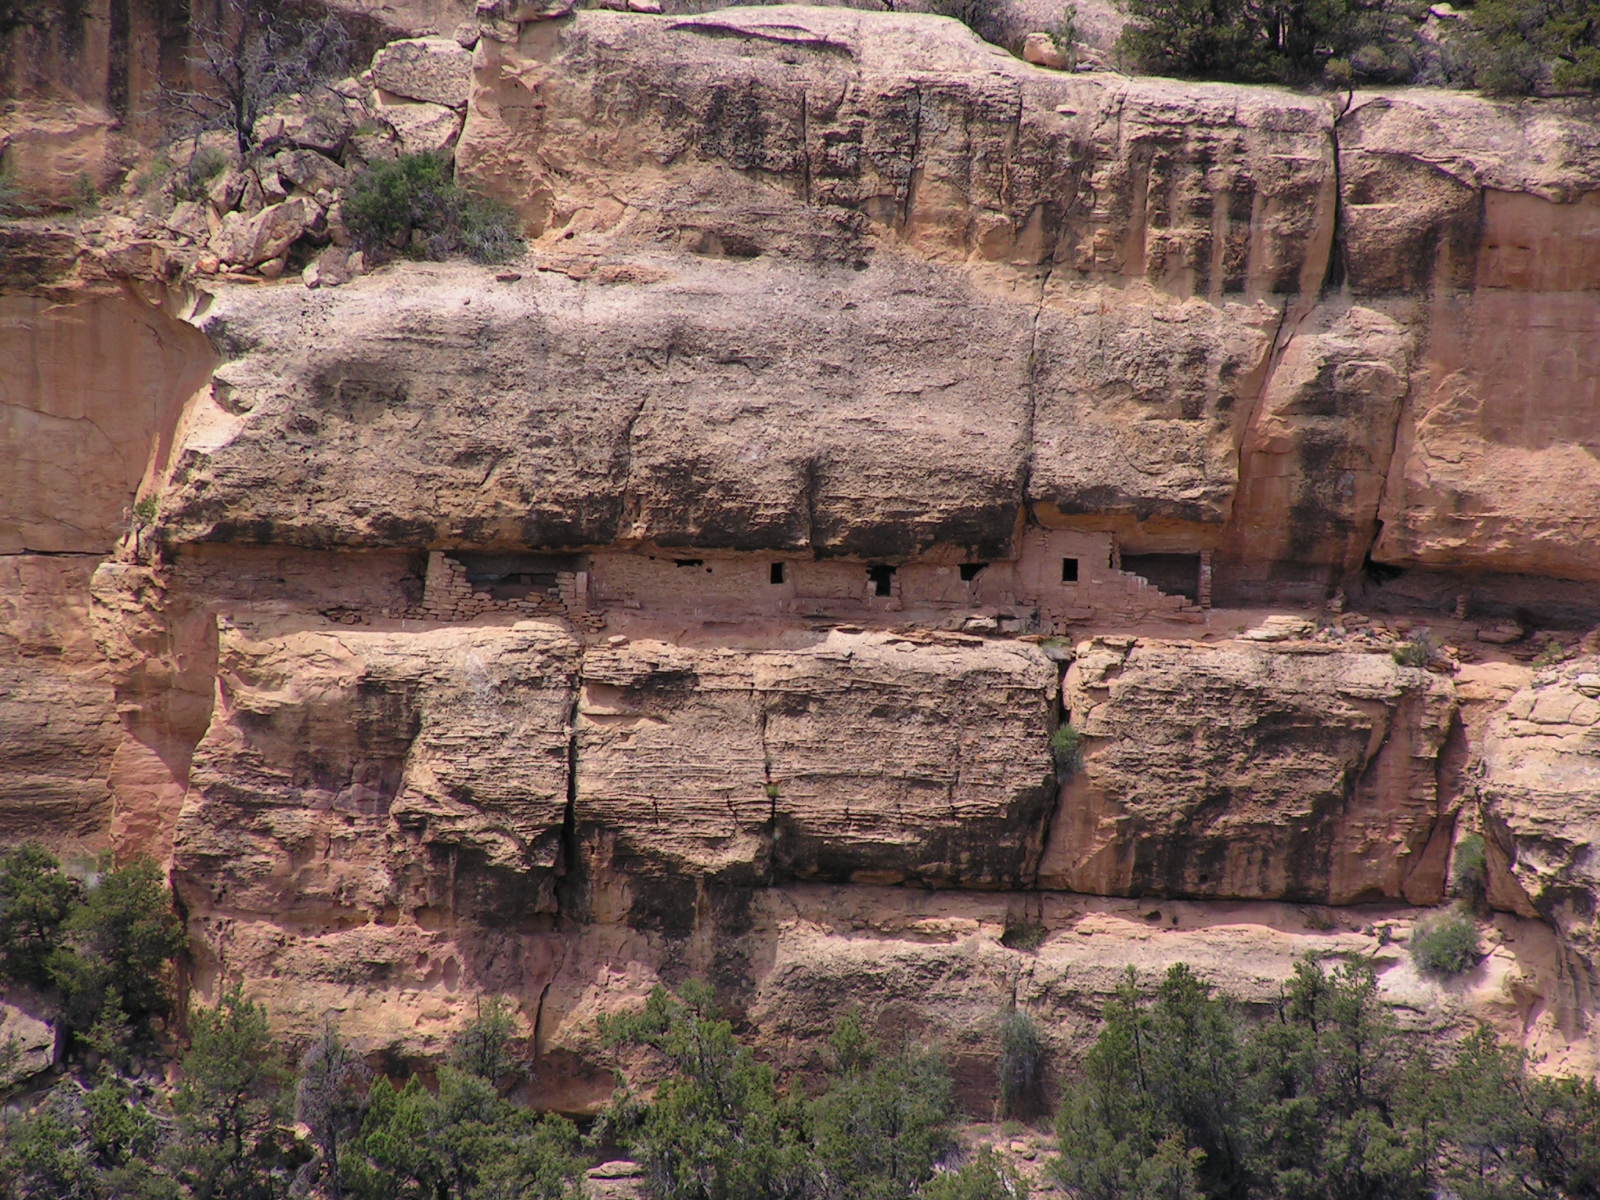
pixel 1052 809
pixel 627 502
pixel 913 171
pixel 1334 273
pixel 767 782
pixel 538 1018
pixel 805 145
pixel 567 865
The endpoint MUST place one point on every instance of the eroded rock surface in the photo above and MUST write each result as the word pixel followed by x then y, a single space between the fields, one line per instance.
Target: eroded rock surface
pixel 1541 805
pixel 1251 772
pixel 822 284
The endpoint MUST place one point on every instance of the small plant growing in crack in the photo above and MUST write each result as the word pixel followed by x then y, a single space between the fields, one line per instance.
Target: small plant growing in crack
pixel 146 508
pixel 773 791
pixel 1065 747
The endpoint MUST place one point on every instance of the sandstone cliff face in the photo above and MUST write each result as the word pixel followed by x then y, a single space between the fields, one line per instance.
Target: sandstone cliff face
pixel 1252 773
pixel 827 285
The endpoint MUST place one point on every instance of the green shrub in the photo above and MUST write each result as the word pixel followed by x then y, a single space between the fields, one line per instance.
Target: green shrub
pixel 412 204
pixel 1552 653
pixel 984 1176
pixel 1519 47
pixel 716 1128
pixel 115 964
pixel 231 1101
pixel 483 1047
pixel 1445 943
pixel 1470 869
pixel 35 901
pixel 885 1120
pixel 1418 651
pixel 193 179
pixel 1064 33
pixel 1066 748
pixel 12 203
pixel 85 196
pixel 1022 933
pixel 1256 42
pixel 1021 1066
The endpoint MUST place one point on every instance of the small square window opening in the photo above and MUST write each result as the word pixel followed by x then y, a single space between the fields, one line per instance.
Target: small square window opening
pixel 1069 570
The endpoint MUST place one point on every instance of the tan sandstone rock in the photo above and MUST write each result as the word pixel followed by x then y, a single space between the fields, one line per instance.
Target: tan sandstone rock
pixel 1248 772
pixel 436 70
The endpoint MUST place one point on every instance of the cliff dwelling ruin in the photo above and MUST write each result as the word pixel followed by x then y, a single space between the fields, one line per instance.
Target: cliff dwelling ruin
pixel 1058 577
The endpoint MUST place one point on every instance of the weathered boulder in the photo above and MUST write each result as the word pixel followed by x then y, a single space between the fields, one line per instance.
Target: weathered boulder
pixel 1249 771
pixel 1041 50
pixel 422 128
pixel 309 171
pixel 436 70
pixel 247 241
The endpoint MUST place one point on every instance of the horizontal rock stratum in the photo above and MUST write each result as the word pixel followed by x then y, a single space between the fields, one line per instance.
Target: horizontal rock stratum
pixel 706 592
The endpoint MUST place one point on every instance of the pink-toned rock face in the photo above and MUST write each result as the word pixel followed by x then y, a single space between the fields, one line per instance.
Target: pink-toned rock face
pixel 58 723
pixel 1541 805
pixel 89 386
pixel 866 758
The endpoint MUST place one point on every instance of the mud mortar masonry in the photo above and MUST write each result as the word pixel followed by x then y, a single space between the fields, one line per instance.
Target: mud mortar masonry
pixel 705 593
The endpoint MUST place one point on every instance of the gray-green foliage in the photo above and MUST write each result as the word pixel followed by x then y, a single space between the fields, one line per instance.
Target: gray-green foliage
pixel 464 1141
pixel 1416 651
pixel 1066 747
pixel 1520 47
pixel 984 1176
pixel 231 1103
pixel 719 1128
pixel 1446 943
pixel 1021 1066
pixel 1181 1097
pixel 716 1129
pixel 1469 871
pixel 36 899
pixel 331 1098
pixel 413 204
pixel 884 1121
pixel 113 966
pixel 1271 41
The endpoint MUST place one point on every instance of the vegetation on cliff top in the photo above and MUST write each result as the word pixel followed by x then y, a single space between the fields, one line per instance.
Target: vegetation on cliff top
pixel 413 205
pixel 1508 47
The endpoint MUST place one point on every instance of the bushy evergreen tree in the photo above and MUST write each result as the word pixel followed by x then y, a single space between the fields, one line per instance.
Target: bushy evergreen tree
pixel 465 1141
pixel 885 1120
pixel 716 1129
pixel 231 1103
pixel 115 964
pixel 36 899
pixel 1520 47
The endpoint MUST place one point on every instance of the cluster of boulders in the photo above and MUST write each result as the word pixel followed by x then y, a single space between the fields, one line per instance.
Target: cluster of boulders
pixel 278 205
pixel 1049 50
